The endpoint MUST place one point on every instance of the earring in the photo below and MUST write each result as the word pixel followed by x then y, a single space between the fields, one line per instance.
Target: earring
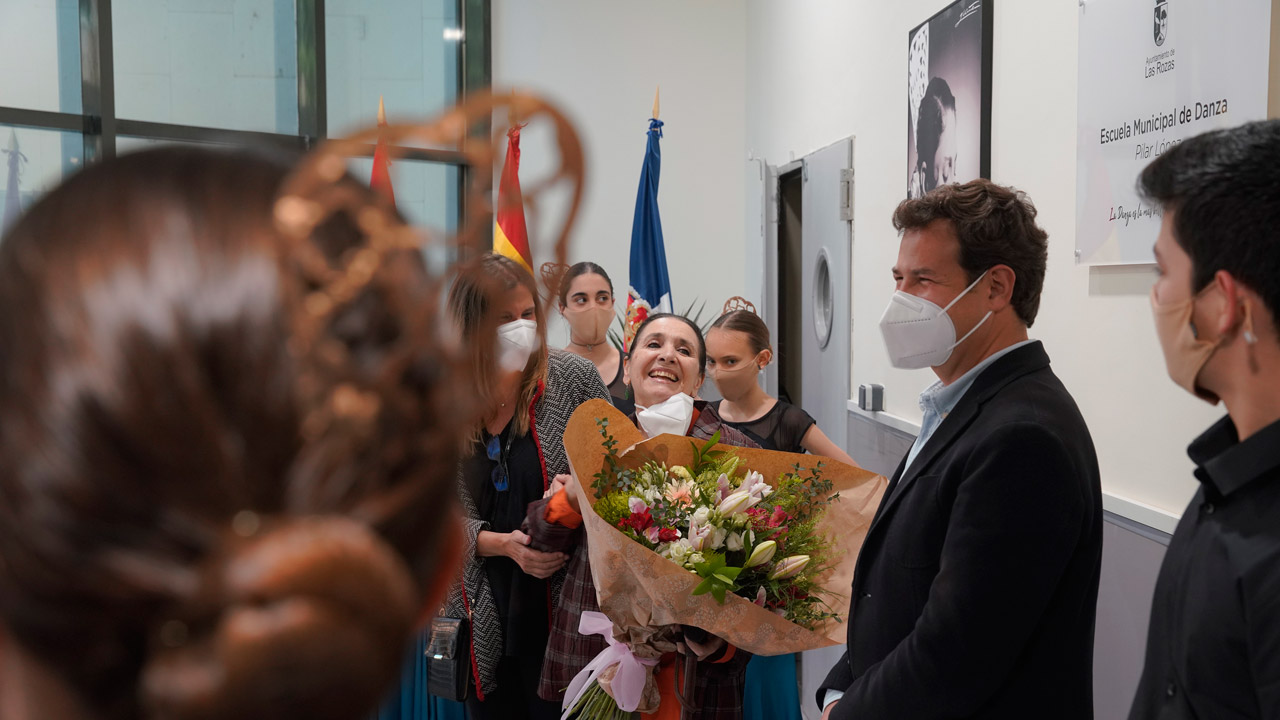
pixel 1249 337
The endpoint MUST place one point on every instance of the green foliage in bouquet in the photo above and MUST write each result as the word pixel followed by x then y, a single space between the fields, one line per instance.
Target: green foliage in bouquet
pixel 725 524
pixel 717 578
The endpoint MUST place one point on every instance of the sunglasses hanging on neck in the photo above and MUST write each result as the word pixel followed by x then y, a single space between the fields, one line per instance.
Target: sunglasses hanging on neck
pixel 498 453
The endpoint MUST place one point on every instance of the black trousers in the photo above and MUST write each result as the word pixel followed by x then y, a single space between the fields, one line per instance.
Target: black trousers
pixel 516 697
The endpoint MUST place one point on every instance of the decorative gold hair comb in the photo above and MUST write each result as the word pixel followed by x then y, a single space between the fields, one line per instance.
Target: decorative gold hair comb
pixel 737 302
pixel 336 390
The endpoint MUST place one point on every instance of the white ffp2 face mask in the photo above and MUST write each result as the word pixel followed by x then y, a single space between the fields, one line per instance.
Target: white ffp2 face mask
pixel 919 334
pixel 671 416
pixel 516 342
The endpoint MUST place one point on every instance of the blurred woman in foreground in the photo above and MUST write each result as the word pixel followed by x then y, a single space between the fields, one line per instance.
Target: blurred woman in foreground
pixel 227 450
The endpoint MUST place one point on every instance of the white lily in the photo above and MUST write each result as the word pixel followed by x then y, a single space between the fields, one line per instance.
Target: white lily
pixel 789 567
pixel 737 502
pixel 762 554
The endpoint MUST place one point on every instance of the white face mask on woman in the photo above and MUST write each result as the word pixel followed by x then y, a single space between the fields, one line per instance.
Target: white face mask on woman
pixel 671 416
pixel 918 333
pixel 516 342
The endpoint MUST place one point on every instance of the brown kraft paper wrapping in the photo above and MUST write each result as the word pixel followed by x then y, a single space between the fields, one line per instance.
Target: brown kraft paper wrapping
pixel 641 591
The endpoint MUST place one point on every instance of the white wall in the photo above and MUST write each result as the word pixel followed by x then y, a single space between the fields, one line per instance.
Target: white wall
pixel 821 70
pixel 600 62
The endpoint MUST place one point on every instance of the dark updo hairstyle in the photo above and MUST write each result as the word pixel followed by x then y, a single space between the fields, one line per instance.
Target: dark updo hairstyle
pixel 747 323
pixel 697 332
pixel 937 102
pixel 577 270
pixel 225 490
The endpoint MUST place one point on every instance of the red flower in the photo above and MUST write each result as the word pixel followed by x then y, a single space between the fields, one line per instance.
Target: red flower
pixel 639 521
pixel 779 518
pixel 668 535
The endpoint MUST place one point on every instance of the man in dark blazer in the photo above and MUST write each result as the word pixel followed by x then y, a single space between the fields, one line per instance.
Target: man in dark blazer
pixel 974 595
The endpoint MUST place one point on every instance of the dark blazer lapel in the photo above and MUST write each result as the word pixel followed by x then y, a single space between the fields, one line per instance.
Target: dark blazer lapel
pixel 1004 371
pixel 942 438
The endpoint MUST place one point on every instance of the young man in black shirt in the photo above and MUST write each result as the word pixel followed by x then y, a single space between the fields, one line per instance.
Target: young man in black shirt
pixel 1213 650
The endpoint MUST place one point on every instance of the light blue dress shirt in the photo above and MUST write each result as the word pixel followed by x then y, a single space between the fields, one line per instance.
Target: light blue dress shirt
pixel 937 402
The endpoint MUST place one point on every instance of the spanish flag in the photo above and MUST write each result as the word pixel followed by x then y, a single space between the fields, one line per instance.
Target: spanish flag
pixel 510 237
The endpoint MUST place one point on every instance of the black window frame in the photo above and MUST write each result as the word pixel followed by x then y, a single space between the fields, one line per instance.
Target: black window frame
pixel 100 127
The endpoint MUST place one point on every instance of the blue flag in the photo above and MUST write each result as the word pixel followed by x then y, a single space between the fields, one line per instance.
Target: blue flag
pixel 650 287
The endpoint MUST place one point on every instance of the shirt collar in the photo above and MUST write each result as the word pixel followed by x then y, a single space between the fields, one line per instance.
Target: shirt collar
pixel 942 399
pixel 1226 463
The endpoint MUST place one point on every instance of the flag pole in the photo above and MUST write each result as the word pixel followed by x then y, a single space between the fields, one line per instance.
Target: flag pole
pixel 655 102
pixel 382 112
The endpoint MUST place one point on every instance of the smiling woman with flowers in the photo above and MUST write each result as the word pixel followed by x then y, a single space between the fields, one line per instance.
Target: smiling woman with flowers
pixel 666 366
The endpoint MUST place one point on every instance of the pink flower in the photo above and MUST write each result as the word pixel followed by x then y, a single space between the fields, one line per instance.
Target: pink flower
pixel 636 505
pixel 680 494
pixel 760 596
pixel 754 484
pixel 652 534
pixel 723 487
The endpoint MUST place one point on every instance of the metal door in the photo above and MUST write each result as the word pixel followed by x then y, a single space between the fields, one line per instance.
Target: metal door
pixel 826 256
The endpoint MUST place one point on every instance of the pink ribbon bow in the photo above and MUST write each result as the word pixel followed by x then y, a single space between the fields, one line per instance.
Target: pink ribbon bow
pixel 628 684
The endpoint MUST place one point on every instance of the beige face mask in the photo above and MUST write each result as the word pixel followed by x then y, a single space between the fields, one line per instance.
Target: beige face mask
pixel 1185 354
pixel 734 383
pixel 589 326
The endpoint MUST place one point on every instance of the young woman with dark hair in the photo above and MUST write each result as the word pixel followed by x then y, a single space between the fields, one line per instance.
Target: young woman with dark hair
pixel 738 349
pixel 508 588
pixel 586 302
pixel 225 490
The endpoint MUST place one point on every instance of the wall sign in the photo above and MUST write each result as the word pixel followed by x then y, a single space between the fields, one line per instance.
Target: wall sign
pixel 1152 73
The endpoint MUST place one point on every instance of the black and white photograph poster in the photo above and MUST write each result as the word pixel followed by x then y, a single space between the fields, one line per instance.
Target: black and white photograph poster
pixel 949 97
pixel 1152 73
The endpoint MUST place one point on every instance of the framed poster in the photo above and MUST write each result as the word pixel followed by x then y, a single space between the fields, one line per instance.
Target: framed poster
pixel 949 97
pixel 1153 73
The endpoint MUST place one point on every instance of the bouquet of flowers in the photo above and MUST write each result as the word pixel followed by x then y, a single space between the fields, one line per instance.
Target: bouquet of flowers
pixel 735 541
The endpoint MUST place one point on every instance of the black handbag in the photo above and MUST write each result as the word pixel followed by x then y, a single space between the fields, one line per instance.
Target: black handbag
pixel 449 658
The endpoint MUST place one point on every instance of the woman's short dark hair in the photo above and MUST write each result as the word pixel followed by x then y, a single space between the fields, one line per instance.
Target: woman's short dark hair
pixel 181 461
pixel 577 270
pixel 937 101
pixel 747 323
pixel 697 333
pixel 1224 190
pixel 995 225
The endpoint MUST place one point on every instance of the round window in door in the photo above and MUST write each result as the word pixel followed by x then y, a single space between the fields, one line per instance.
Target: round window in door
pixel 823 302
